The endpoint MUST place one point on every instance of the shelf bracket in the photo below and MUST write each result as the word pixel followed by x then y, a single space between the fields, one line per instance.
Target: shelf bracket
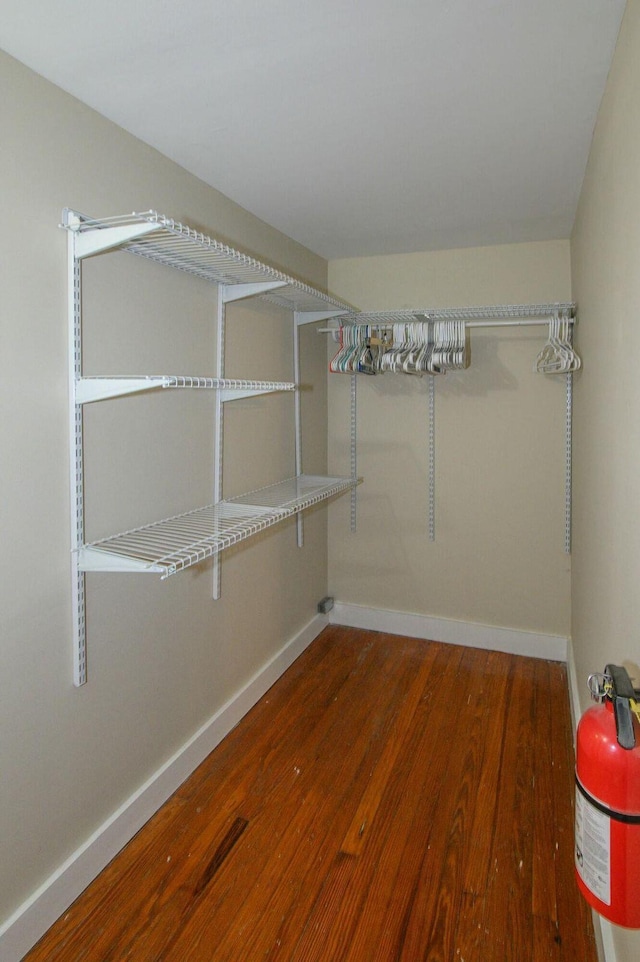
pixel 310 317
pixel 237 292
pixel 90 389
pixel 92 559
pixel 103 239
pixel 237 394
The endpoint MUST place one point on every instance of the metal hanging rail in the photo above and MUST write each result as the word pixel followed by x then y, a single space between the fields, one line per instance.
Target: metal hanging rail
pixel 509 315
pixel 529 322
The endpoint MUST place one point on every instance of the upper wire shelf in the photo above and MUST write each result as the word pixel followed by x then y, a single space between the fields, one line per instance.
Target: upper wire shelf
pixel 177 543
pixel 174 244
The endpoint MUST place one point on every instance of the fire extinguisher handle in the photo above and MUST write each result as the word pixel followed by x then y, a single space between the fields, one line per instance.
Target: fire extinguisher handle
pixel 624 723
pixel 620 681
pixel 623 691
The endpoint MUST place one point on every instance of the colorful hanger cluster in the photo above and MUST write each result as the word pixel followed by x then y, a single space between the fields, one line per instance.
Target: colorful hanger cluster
pixel 421 347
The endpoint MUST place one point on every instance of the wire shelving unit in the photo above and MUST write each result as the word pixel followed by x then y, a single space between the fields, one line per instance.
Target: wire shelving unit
pixel 177 543
pixel 173 544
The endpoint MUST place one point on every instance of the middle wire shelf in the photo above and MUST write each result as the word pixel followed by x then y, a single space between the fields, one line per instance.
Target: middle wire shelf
pixel 177 543
pixel 100 388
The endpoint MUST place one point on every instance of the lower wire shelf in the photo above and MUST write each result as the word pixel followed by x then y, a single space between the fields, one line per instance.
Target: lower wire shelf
pixel 174 544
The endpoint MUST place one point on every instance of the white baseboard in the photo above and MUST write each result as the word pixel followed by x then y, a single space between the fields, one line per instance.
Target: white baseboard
pixel 609 953
pixel 32 919
pixel 511 640
pixel 574 686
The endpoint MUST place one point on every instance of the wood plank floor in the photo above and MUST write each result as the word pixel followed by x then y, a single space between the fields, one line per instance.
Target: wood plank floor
pixel 388 800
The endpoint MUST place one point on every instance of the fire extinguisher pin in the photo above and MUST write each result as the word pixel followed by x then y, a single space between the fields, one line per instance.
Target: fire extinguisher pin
pixel 600 686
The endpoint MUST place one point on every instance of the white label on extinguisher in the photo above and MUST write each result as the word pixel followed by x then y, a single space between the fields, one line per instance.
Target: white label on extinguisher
pixel 593 848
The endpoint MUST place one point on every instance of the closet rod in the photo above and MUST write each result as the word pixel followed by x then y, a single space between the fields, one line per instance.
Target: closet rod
pixel 529 322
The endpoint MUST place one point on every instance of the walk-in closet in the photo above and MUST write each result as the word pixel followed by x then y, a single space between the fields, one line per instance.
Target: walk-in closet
pixel 319 480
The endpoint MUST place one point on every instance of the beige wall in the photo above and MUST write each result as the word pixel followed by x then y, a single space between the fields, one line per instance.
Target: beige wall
pixel 606 277
pixel 498 558
pixel 163 657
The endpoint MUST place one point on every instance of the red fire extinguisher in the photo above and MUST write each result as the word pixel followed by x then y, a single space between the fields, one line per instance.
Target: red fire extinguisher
pixel 607 826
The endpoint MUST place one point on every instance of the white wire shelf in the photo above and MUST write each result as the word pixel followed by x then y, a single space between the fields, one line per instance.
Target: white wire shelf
pixel 100 388
pixel 169 242
pixel 174 544
pixel 496 312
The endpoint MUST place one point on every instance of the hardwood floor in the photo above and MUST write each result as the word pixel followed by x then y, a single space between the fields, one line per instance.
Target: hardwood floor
pixel 388 800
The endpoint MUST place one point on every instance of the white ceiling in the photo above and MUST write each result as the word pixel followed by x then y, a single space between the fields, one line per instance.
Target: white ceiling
pixel 355 126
